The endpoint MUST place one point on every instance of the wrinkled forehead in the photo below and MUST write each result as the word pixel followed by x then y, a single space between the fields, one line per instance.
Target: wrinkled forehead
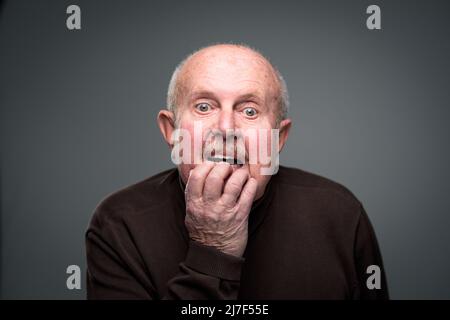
pixel 228 73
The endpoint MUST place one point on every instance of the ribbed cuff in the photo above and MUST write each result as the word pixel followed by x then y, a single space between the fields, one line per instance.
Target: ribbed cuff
pixel 213 262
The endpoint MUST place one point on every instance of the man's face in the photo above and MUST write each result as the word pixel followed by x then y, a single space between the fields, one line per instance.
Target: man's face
pixel 226 91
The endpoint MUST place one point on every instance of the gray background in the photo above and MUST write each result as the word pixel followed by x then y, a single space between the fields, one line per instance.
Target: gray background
pixel 78 109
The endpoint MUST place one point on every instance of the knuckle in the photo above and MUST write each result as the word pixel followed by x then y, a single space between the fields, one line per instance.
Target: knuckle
pixel 213 179
pixel 195 175
pixel 246 192
pixel 231 212
pixel 223 165
pixel 193 205
pixel 235 186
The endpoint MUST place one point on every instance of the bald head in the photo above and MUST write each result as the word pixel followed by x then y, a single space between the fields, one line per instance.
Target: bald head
pixel 232 63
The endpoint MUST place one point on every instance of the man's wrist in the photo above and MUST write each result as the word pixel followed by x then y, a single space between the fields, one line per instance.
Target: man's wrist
pixel 213 262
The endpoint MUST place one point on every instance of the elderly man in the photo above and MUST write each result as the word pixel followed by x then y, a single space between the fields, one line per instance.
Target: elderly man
pixel 223 226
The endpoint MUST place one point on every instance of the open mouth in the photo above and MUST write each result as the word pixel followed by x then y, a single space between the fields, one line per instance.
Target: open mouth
pixel 230 160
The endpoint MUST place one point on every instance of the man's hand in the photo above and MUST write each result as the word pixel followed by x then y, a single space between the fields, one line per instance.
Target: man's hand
pixel 218 203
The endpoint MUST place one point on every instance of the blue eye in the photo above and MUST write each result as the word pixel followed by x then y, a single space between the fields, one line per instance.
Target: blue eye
pixel 250 112
pixel 203 107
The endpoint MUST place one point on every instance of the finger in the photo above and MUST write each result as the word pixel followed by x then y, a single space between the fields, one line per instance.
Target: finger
pixel 215 180
pixel 246 199
pixel 233 187
pixel 197 177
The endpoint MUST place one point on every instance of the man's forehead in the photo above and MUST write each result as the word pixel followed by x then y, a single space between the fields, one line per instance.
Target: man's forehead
pixel 228 60
pixel 240 70
pixel 226 54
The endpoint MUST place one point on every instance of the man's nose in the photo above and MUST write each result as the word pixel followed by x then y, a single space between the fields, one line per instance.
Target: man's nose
pixel 226 120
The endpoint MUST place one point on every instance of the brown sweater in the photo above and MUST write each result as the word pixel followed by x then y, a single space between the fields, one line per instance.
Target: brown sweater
pixel 309 238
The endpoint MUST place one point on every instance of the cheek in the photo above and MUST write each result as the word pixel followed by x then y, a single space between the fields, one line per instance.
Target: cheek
pixel 193 132
pixel 196 128
pixel 265 142
pixel 258 143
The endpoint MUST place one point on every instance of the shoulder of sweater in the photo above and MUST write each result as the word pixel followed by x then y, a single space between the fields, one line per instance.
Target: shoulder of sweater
pixel 136 198
pixel 298 178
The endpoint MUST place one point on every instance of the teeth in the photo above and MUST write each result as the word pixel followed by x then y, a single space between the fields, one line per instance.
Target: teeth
pixel 230 160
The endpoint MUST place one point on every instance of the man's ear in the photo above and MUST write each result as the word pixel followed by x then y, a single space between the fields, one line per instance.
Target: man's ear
pixel 285 127
pixel 166 123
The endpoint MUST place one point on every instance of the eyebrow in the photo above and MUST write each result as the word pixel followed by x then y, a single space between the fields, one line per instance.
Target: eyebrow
pixel 203 94
pixel 211 95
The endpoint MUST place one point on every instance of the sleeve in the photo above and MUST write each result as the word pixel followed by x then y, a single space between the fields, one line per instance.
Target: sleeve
pixel 115 270
pixel 206 273
pixel 371 282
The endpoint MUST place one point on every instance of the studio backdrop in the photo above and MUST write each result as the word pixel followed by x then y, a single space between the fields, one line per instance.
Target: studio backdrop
pixel 370 109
